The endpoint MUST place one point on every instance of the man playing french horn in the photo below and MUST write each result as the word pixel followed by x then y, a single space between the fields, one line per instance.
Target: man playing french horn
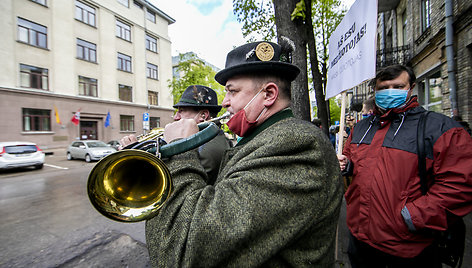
pixel 277 196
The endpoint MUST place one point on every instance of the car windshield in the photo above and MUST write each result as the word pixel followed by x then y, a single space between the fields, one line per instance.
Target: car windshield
pixel 95 144
pixel 20 149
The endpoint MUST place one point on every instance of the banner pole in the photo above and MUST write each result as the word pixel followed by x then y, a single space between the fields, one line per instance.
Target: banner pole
pixel 341 124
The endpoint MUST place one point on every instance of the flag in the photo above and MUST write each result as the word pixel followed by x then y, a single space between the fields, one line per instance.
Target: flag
pixel 107 120
pixel 76 117
pixel 58 120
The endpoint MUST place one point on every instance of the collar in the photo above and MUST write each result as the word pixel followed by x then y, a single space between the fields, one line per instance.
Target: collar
pixel 285 113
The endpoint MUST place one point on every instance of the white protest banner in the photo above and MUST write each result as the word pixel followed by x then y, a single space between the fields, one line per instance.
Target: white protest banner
pixel 352 48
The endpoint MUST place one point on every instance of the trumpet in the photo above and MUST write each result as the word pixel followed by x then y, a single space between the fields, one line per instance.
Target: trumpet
pixel 132 184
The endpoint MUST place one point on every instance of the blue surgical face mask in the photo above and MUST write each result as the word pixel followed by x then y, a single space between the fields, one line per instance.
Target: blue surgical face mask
pixel 390 98
pixel 366 115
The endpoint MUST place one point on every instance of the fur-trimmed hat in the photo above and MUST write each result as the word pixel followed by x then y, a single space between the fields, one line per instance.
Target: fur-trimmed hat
pixel 260 57
pixel 200 97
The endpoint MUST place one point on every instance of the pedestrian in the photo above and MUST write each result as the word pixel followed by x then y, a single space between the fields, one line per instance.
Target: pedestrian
pixel 368 107
pixel 201 104
pixel 390 221
pixel 277 197
pixel 317 122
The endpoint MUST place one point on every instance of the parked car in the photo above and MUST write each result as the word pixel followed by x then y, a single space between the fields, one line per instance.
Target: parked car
pixel 115 144
pixel 17 154
pixel 90 150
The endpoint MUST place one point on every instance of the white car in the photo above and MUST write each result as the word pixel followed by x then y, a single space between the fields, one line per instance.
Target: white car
pixel 16 154
pixel 89 150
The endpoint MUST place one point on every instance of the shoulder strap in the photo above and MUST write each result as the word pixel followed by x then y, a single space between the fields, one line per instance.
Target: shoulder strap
pixel 421 151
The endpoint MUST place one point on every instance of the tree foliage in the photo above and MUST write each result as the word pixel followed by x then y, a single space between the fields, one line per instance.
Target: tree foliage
pixel 194 71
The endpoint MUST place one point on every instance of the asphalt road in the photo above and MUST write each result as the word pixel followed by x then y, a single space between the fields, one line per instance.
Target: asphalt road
pixel 46 220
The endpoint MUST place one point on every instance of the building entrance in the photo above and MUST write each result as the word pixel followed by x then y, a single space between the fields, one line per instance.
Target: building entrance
pixel 88 130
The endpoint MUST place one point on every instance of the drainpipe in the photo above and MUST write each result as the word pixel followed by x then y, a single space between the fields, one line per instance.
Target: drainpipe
pixel 450 57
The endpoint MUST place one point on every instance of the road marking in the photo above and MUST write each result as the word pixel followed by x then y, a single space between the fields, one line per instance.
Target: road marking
pixel 53 166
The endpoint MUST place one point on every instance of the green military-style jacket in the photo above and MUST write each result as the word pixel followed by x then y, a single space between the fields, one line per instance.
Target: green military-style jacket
pixel 275 203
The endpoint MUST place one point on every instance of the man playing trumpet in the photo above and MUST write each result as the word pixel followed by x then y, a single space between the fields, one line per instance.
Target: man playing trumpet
pixel 276 199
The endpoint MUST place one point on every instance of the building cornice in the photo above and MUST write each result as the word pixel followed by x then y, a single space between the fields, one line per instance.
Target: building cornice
pixel 37 92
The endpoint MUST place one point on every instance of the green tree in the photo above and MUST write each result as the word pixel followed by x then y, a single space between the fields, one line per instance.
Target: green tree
pixel 194 71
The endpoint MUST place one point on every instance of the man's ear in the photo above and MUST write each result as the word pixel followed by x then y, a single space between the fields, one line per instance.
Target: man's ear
pixel 205 114
pixel 271 94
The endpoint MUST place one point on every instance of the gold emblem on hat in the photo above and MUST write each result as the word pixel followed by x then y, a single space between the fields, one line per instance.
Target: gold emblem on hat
pixel 264 51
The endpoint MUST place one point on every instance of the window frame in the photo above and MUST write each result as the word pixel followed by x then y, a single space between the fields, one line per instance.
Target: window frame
pixel 123 30
pixel 125 96
pixel 127 123
pixel 38 121
pixel 30 33
pixel 151 43
pixel 153 98
pixel 86 48
pixel 425 14
pixel 152 71
pixel 124 63
pixel 34 75
pixel 154 122
pixel 87 13
pixel 41 2
pixel 87 84
pixel 150 15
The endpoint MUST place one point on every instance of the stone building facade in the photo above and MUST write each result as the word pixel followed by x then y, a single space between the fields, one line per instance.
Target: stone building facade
pixel 107 59
pixel 414 33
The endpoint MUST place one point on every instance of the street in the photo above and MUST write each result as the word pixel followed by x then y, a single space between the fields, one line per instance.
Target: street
pixel 47 221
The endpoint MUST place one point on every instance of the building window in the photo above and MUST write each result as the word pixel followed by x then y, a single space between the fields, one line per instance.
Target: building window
pixel 86 50
pixel 32 33
pixel 87 86
pixel 85 13
pixel 151 43
pixel 430 92
pixel 425 14
pixel 33 77
pixel 41 2
pixel 154 122
pixel 153 98
pixel 36 120
pixel 125 93
pixel 404 24
pixel 151 71
pixel 151 16
pixel 126 123
pixel 123 30
pixel 137 4
pixel 124 62
pixel 124 2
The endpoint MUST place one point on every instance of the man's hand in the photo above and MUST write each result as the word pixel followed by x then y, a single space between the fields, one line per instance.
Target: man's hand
pixel 180 129
pixel 342 161
pixel 127 140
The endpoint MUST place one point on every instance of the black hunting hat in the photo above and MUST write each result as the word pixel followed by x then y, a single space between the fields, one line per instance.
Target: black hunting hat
pixel 257 57
pixel 199 97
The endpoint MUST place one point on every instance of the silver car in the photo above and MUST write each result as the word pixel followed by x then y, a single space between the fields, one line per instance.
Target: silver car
pixel 90 150
pixel 15 154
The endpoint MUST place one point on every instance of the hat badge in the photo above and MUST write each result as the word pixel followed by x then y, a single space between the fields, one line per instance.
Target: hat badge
pixel 264 51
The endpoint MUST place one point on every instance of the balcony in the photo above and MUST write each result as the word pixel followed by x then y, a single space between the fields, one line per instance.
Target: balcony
pixel 393 55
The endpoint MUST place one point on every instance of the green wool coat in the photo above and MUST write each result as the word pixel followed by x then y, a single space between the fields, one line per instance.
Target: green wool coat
pixel 275 203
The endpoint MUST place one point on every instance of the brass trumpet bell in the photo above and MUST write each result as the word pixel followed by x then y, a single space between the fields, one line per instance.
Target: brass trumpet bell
pixel 129 185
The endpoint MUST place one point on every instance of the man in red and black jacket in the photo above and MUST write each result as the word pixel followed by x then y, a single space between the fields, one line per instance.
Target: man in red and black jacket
pixel 389 218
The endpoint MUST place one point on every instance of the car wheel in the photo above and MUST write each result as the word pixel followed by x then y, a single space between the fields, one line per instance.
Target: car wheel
pixel 69 156
pixel 40 166
pixel 87 158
